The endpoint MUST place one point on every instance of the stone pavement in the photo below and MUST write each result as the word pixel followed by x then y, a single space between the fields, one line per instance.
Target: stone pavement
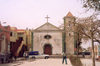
pixel 88 62
pixel 47 62
pixel 40 62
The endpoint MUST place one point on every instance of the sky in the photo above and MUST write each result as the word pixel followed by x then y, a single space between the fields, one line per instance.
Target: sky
pixel 31 13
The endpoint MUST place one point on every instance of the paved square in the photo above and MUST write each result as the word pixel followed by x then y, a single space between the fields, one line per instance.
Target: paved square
pixel 46 62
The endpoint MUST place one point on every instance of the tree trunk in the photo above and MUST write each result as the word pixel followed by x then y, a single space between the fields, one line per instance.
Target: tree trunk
pixel 93 53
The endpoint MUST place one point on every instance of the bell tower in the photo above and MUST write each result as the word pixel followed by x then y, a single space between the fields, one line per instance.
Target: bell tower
pixel 69 27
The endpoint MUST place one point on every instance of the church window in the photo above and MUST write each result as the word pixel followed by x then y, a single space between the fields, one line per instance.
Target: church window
pixel 11 34
pixel 47 37
pixel 69 23
pixel 69 34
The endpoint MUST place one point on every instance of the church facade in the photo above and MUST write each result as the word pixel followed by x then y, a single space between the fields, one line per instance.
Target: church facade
pixel 49 39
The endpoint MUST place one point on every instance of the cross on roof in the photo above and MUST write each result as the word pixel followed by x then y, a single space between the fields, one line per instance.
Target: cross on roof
pixel 47 18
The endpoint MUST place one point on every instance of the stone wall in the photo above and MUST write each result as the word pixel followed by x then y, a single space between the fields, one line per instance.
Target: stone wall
pixel 55 41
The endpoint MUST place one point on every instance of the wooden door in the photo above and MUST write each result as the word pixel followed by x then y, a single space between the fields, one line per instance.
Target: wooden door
pixel 48 49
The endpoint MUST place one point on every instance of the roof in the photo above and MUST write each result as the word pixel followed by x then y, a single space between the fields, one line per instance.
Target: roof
pixel 69 14
pixel 47 26
pixel 20 30
pixel 13 28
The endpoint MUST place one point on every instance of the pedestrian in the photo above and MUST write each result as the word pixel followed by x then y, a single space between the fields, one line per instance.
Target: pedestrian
pixel 15 57
pixel 64 58
pixel 83 54
pixel 26 55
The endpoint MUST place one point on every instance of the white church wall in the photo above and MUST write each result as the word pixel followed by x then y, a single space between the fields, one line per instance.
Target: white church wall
pixel 55 41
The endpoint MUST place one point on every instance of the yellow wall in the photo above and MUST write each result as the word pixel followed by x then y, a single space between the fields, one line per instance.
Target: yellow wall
pixel 28 37
pixel 25 34
pixel 13 38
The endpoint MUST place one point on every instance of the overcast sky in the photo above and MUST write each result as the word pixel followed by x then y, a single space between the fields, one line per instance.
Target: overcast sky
pixel 31 13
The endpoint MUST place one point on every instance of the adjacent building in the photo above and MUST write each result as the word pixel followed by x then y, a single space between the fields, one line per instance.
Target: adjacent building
pixel 18 41
pixel 70 33
pixel 4 39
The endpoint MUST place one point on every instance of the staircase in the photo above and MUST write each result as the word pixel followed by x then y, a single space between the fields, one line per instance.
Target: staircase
pixel 16 46
pixel 23 49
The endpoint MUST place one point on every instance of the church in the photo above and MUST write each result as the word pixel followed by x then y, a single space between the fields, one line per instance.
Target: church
pixel 49 39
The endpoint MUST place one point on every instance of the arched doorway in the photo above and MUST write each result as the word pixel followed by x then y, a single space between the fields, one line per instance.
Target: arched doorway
pixel 47 49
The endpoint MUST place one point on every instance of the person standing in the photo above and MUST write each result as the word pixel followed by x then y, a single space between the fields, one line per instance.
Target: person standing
pixel 26 54
pixel 64 58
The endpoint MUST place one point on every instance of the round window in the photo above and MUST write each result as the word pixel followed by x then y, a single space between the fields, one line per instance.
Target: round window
pixel 47 36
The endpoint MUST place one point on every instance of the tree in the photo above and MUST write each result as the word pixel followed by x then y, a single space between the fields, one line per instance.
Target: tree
pixel 87 24
pixel 92 4
pixel 90 29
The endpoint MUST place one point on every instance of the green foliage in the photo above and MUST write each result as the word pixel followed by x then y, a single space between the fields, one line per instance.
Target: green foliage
pixel 92 4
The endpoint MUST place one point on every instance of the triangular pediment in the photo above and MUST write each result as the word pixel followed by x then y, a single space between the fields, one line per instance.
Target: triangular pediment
pixel 47 26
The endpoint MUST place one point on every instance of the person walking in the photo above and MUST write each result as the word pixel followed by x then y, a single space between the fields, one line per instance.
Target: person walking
pixel 64 58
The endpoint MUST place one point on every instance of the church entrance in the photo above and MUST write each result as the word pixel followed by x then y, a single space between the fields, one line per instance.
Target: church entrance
pixel 48 49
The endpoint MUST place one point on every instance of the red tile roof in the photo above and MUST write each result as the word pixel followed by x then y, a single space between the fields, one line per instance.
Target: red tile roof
pixel 69 14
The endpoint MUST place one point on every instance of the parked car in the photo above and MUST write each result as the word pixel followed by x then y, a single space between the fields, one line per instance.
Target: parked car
pixel 4 57
pixel 35 54
pixel 85 53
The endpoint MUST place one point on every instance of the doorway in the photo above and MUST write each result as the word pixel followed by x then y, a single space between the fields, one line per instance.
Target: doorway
pixel 48 49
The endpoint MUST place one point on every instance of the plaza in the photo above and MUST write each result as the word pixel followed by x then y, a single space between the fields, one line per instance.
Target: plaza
pixel 39 62
pixel 48 62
